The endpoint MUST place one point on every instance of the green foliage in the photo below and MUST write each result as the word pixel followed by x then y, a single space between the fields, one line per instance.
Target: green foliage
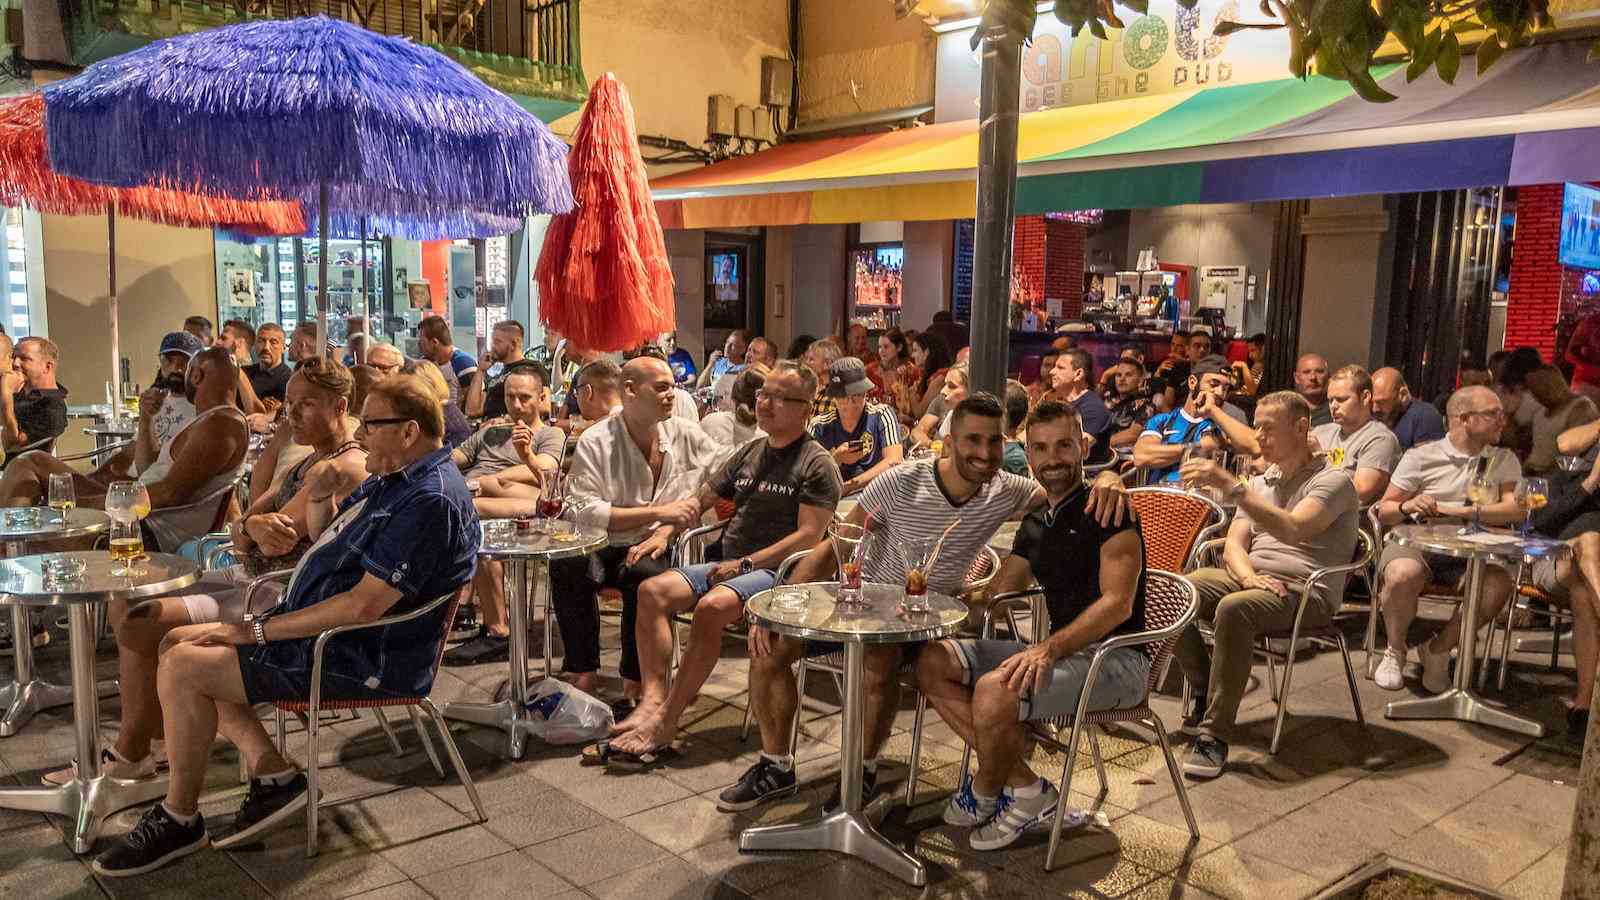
pixel 1335 38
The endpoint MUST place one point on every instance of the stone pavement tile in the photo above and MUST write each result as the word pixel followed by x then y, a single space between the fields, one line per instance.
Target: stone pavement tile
pixel 69 880
pixel 595 854
pixel 1220 819
pixel 933 754
pixel 1154 846
pixel 691 822
pixel 448 844
pixel 1533 799
pixel 13 818
pixel 1461 857
pixel 670 878
pixel 1513 836
pixel 614 795
pixel 1316 841
pixel 208 873
pixel 1463 743
pixel 507 875
pixel 719 724
pixel 27 848
pixel 1268 784
pixel 405 890
pixel 1230 872
pixel 1541 880
pixel 843 876
pixel 283 869
pixel 541 817
pixel 752 872
pixel 704 767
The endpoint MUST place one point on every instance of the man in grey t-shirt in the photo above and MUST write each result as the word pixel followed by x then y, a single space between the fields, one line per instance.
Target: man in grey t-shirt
pixel 1298 517
pixel 1355 441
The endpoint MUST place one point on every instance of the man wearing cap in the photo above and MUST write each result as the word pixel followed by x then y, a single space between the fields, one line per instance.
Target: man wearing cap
pixel 864 437
pixel 1166 437
pixel 163 408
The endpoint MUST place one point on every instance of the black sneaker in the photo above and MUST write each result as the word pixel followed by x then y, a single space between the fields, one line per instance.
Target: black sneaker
pixel 869 792
pixel 157 840
pixel 1577 725
pixel 1207 758
pixel 465 626
pixel 264 807
pixel 485 648
pixel 1195 715
pixel 761 782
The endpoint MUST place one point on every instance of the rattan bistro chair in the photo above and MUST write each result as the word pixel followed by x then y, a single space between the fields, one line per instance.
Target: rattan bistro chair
pixel 1170 603
pixel 1175 523
pixel 312 707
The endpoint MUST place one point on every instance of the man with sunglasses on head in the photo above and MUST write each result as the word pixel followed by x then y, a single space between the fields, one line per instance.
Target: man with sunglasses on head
pixel 1430 485
pixel 784 488
pixel 405 537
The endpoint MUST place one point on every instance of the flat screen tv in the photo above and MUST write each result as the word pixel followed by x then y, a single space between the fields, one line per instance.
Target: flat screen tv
pixel 1580 227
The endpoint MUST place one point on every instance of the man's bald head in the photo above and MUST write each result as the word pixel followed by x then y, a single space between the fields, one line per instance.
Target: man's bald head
pixel 1390 395
pixel 646 390
pixel 212 379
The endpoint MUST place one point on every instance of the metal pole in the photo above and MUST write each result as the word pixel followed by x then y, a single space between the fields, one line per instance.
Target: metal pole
pixel 996 205
pixel 322 271
pixel 366 296
pixel 116 337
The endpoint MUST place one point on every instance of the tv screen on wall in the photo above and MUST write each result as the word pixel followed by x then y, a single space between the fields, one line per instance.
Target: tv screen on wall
pixel 1580 227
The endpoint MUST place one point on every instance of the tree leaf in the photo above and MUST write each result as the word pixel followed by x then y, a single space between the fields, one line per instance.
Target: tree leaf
pixel 1097 29
pixel 1465 26
pixel 1423 56
pixel 1227 27
pixel 1488 52
pixel 1367 87
pixel 1449 60
pixel 1141 7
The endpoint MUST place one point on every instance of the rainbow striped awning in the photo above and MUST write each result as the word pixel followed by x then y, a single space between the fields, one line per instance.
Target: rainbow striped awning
pixel 1534 118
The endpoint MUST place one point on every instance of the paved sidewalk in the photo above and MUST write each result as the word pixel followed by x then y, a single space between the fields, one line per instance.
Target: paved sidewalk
pixel 1470 802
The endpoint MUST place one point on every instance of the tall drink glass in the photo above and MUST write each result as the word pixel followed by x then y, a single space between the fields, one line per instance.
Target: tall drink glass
pixel 919 559
pixel 848 548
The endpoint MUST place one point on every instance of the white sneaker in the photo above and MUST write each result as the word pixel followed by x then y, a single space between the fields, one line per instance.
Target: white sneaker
pixel 964 810
pixel 112 765
pixel 1016 816
pixel 1435 669
pixel 1390 675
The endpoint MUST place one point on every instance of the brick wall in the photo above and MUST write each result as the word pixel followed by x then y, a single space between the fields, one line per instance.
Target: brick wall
pixel 1064 264
pixel 1028 250
pixel 1533 309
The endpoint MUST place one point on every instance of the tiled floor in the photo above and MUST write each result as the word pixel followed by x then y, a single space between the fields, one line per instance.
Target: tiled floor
pixel 1443 795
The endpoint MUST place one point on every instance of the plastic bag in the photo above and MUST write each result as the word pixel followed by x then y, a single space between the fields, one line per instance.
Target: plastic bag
pixel 562 714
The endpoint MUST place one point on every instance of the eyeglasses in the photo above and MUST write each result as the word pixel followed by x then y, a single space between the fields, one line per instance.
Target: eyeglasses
pixel 1487 413
pixel 779 398
pixel 369 424
pixel 386 369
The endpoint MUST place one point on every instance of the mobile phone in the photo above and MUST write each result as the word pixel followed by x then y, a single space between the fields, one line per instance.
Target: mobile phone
pixel 497 434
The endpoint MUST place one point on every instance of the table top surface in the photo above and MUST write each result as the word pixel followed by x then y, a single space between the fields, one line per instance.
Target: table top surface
pixel 529 545
pixel 119 429
pixel 1496 544
pixel 22 580
pixel 877 621
pixel 49 524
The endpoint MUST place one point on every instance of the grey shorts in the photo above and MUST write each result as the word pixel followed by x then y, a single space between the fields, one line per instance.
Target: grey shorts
pixel 1441 569
pixel 1545 579
pixel 1119 684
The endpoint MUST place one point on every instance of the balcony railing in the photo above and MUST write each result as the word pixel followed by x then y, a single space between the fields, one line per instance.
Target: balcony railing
pixel 519 46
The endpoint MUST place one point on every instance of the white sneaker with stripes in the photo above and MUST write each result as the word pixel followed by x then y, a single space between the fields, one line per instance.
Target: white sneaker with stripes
pixel 1015 817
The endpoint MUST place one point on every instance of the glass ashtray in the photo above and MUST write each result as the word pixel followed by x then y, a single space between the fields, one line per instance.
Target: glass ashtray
pixel 500 532
pixel 62 568
pixel 22 517
pixel 791 599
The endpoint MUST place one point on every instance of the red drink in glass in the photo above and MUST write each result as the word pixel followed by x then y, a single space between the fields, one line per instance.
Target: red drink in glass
pixel 550 509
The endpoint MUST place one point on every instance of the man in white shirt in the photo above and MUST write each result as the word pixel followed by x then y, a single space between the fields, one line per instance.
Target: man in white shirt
pixel 1430 484
pixel 635 475
pixel 1355 441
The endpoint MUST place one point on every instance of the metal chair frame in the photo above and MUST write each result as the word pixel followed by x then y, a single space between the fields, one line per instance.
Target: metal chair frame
pixel 312 709
pixel 1522 602
pixel 1151 498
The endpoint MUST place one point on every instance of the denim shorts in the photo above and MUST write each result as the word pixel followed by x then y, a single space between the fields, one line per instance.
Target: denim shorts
pixel 745 586
pixel 1120 683
pixel 265 682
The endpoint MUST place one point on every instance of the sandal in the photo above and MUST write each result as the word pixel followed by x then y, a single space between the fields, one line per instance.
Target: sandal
pixel 638 762
pixel 596 754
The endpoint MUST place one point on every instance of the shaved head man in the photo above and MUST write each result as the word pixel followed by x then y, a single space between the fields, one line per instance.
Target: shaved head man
pixel 1311 382
pixel 1413 421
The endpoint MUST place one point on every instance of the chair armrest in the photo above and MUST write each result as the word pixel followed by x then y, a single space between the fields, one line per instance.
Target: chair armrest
pixel 1321 575
pixel 209 548
pixel 256 584
pixel 108 449
pixel 683 551
pixel 1206 549
pixel 1005 602
pixel 384 622
pixel 788 564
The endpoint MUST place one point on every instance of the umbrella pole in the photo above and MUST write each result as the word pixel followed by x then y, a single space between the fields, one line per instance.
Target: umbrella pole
pixel 366 292
pixel 322 270
pixel 111 289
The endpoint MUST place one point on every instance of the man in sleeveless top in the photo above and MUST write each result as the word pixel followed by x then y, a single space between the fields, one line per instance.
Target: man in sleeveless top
pixel 273 534
pixel 206 455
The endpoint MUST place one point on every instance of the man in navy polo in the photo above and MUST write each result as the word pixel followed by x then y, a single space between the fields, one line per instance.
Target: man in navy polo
pixel 406 536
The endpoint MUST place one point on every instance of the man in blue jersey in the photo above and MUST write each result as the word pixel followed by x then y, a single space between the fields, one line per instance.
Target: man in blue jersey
pixel 436 345
pixel 865 438
pixel 1161 447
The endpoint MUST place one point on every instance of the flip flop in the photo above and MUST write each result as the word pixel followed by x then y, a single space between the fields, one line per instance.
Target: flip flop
pixel 638 762
pixel 596 754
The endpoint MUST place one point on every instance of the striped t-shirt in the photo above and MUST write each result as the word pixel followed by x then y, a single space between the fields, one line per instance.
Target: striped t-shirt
pixel 910 502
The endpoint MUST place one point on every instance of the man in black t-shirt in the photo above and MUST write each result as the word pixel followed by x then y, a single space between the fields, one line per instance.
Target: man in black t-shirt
pixel 784 488
pixel 269 374
pixel 1093 580
pixel 34 406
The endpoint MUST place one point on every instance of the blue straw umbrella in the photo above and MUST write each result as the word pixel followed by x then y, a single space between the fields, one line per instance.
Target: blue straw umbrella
pixel 357 123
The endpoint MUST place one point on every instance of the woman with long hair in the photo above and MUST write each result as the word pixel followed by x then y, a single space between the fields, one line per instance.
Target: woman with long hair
pixel 892 372
pixel 932 358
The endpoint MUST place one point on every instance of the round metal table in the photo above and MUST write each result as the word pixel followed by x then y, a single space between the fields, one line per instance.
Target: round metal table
pixel 27 695
pixel 1460 702
pixel 877 621
pixel 90 796
pixel 527 561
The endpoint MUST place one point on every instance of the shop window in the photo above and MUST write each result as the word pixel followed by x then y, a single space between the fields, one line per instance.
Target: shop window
pixel 15 287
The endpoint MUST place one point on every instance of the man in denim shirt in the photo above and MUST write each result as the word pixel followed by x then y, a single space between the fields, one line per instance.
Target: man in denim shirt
pixel 405 537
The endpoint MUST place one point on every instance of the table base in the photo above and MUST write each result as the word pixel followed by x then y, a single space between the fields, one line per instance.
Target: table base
pixel 1463 706
pixel 842 832
pixel 510 715
pixel 23 700
pixel 86 801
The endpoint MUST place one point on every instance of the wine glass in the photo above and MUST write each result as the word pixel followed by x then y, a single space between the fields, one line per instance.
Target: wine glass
pixel 1532 493
pixel 62 496
pixel 121 498
pixel 848 550
pixel 127 545
pixel 551 501
pixel 1199 451
pixel 1481 491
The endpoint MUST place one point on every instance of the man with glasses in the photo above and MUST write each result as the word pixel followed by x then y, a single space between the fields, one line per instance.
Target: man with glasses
pixel 1430 485
pixel 784 488
pixel 386 358
pixel 406 536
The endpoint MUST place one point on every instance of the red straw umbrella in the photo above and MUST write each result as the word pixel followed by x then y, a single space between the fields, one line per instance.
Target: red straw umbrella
pixel 26 179
pixel 604 279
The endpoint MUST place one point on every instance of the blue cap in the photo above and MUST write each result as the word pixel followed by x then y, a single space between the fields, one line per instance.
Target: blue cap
pixel 181 342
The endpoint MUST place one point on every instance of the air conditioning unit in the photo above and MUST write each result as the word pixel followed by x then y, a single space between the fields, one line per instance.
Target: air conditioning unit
pixel 745 121
pixel 777 81
pixel 721 116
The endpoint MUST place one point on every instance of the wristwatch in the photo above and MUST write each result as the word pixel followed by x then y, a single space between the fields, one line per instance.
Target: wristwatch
pixel 258 627
pixel 746 566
